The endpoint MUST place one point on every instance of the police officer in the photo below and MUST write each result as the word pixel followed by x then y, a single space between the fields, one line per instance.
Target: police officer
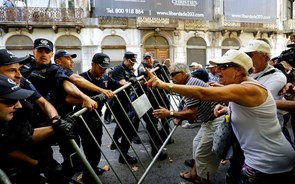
pixel 123 73
pixel 96 75
pixel 41 71
pixel 9 66
pixel 22 146
pixel 156 137
pixel 55 82
pixel 65 59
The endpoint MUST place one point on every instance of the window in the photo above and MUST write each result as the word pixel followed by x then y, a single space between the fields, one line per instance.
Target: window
pixel 230 43
pixel 115 47
pixel 73 45
pixel 196 51
pixel 20 45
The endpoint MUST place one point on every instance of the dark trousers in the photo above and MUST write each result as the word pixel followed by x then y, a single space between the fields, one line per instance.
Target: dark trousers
pixel 124 122
pixel 152 128
pixel 91 150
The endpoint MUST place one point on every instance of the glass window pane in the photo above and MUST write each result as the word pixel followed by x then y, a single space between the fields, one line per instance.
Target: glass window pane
pixel 116 55
pixel 156 41
pixel 196 51
pixel 113 40
pixel 196 41
pixel 196 55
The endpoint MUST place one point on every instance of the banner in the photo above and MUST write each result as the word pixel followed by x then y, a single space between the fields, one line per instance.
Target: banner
pixel 254 11
pixel 182 9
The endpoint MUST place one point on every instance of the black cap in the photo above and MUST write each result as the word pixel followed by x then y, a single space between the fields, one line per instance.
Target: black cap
pixel 43 43
pixel 102 60
pixel 131 56
pixel 147 54
pixel 62 53
pixel 10 90
pixel 7 58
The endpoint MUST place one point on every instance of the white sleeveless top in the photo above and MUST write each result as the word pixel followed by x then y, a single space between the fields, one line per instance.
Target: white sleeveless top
pixel 259 133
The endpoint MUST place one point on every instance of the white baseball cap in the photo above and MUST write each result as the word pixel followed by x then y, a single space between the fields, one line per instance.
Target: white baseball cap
pixel 257 46
pixel 234 56
pixel 194 64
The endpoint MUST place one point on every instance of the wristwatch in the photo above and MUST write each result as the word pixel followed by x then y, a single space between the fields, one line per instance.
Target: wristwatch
pixel 171 113
pixel 57 117
pixel 170 86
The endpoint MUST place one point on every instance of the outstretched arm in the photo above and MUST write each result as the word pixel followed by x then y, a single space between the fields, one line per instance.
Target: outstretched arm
pixel 249 95
pixel 72 90
pixel 286 105
pixel 83 83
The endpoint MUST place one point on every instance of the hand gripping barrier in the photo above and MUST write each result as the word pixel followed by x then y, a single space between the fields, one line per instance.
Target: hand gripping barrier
pixel 140 102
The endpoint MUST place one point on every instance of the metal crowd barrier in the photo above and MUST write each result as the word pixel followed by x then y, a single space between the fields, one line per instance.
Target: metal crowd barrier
pixel 4 178
pixel 141 104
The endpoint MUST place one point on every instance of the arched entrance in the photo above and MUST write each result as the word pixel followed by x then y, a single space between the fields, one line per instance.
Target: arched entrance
pixel 20 45
pixel 158 46
pixel 230 43
pixel 115 47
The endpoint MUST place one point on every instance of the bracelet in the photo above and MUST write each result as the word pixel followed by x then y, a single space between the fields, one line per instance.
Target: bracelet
pixel 170 86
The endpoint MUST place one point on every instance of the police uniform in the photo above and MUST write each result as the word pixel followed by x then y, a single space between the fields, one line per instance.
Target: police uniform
pixel 48 80
pixel 92 152
pixel 16 135
pixel 121 72
pixel 157 98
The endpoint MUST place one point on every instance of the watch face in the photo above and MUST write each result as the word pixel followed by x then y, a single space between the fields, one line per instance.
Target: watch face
pixel 171 113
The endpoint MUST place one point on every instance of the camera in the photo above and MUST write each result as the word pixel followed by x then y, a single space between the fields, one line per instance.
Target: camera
pixel 287 55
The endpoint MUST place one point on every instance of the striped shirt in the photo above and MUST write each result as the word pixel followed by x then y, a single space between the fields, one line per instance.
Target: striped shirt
pixel 205 108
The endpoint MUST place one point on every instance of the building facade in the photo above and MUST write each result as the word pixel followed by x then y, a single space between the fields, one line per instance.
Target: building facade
pixel 81 27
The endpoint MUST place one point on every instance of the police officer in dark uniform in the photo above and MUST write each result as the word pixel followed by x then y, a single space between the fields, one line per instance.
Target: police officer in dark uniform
pixel 9 66
pixel 123 73
pixel 55 83
pixel 49 78
pixel 96 75
pixel 156 137
pixel 27 150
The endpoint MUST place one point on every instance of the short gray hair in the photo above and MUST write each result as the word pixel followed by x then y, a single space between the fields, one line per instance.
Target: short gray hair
pixel 180 67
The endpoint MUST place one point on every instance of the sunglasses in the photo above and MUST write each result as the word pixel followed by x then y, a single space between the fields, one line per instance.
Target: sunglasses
pixel 173 74
pixel 250 54
pixel 225 66
pixel 8 102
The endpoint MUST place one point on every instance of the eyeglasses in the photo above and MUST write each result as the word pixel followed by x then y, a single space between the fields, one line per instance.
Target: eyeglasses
pixel 173 74
pixel 225 66
pixel 8 102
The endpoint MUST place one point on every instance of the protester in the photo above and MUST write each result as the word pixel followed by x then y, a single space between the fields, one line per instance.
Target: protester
pixel 272 78
pixel 206 160
pixel 194 66
pixel 253 115
pixel 213 77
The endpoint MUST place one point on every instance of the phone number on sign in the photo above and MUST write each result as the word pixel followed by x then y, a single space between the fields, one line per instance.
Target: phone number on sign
pixel 125 11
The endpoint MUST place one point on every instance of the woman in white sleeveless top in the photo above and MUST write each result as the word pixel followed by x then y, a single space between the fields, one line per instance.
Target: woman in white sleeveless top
pixel 269 157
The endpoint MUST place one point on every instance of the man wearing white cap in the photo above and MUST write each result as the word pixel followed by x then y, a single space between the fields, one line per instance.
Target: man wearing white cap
pixel 270 77
pixel 194 66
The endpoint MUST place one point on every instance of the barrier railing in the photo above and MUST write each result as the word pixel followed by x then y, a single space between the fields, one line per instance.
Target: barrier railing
pixel 158 132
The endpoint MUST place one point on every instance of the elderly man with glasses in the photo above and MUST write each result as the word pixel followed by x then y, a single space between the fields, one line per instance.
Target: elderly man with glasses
pixel 205 159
